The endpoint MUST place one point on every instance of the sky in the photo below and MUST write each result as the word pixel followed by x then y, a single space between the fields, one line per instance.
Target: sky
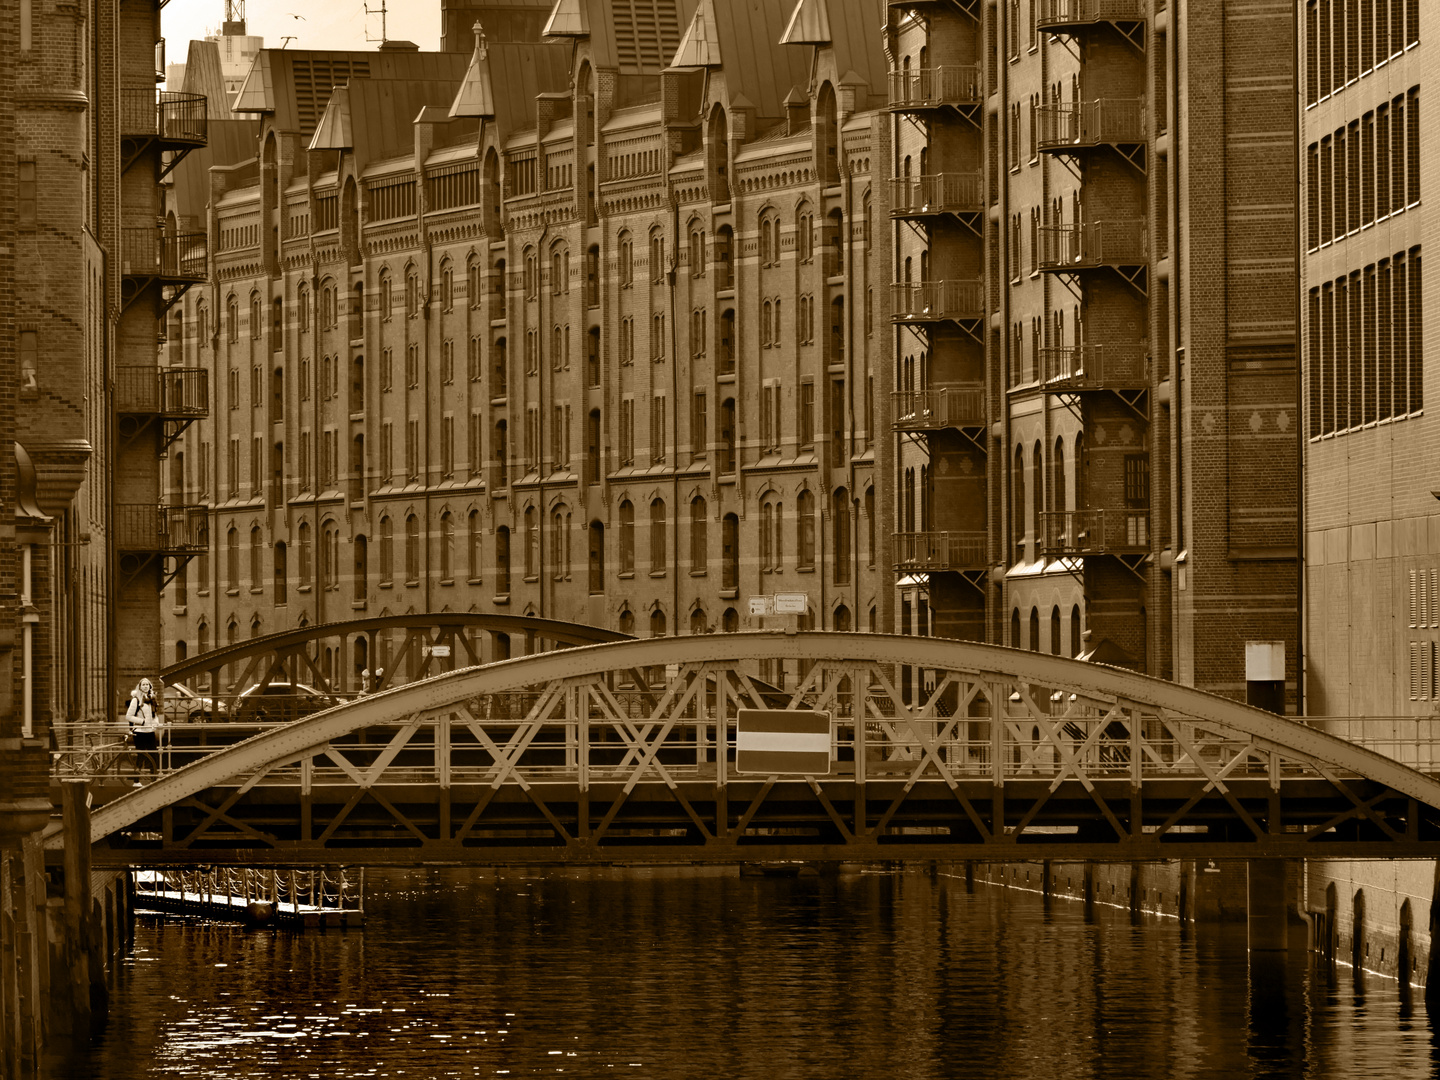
pixel 315 24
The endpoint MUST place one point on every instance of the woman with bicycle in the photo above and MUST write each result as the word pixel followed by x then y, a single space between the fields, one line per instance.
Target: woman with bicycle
pixel 143 715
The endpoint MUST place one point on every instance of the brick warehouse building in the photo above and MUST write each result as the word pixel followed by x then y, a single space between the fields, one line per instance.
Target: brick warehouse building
pixel 85 272
pixel 1372 523
pixel 1094 258
pixel 584 326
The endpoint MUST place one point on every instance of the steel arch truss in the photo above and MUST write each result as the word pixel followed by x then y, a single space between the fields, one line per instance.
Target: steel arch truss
pixel 625 753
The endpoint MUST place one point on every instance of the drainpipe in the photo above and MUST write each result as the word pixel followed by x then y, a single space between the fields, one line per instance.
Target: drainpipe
pixel 28 622
pixel 675 410
pixel 539 417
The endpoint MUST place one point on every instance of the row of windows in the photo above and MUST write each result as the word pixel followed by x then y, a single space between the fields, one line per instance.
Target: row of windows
pixel 1347 39
pixel 1364 172
pixel 1365 360
pixel 326 567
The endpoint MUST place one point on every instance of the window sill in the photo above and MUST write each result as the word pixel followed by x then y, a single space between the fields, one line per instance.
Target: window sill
pixel 699 573
pixel 257 591
pixel 357 605
pixel 472 581
pixel 626 575
pixel 447 581
pixel 386 584
pixel 501 600
pixel 531 579
pixel 658 573
pixel 804 569
pixel 729 594
pixel 178 610
pixel 303 588
pixel 232 592
pixel 412 584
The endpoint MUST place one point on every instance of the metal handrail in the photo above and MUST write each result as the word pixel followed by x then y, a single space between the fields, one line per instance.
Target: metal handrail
pixel 1082 366
pixel 151 251
pixel 163 391
pixel 1094 243
pixel 169 114
pixel 951 84
pixel 940 550
pixel 1074 12
pixel 937 300
pixel 1094 532
pixel 938 193
pixel 160 528
pixel 950 406
pixel 1090 123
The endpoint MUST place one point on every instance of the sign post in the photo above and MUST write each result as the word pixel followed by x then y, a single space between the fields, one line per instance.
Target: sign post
pixel 774 741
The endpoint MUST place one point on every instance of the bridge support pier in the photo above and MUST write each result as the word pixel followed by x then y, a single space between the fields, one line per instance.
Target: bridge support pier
pixel 1267 896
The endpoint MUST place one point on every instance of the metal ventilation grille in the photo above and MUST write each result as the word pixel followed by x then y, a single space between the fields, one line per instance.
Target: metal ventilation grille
pixel 647 33
pixel 314 80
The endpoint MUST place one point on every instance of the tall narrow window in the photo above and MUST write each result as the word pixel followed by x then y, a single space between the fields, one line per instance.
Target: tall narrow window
pixel 627 537
pixel 597 557
pixel 805 524
pixel 412 550
pixel 659 546
pixel 699 536
pixel 730 552
pixel 281 571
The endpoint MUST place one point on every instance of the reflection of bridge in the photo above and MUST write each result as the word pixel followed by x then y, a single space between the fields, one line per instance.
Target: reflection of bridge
pixel 624 752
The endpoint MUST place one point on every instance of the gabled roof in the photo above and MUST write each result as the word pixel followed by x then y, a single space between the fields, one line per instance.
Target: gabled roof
pixel 476 96
pixel 748 34
pixel 335 130
pixel 567 19
pixel 700 45
pixel 855 41
pixel 294 85
pixel 637 37
pixel 809 24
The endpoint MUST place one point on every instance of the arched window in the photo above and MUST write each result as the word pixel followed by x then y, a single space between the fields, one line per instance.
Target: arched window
pixel 659 546
pixel 828 137
pixel 805 525
pixel 835 263
pixel 727 435
pixel 772 535
pixel 257 558
pixel 1057 469
pixel 282 573
pixel 560 542
pixel 472 545
pixel 532 543
pixel 412 292
pixel 697 621
pixel 361 580
pixel 447 548
pixel 730 552
pixel 257 322
pixel 387 551
pixel 627 537
pixel 627 622
pixel 597 557
pixel 724 237
pixel 699 536
pixel 842 619
pixel 1019 506
pixel 805 233
pixel 717 156
pixel 306 566
pixel 1015 642
pixel 232 318
pixel 627 259
pixel 502 559
pixel 840 525
pixel 412 550
pixel 559 270
pixel 1034 643
pixel 870 526
pixel 203 637
pixel 1075 635
pixel 447 287
pixel 657 623
pixel 1055 639
pixel 730 621
pixel 387 296
pixel 725 341
pixel 232 559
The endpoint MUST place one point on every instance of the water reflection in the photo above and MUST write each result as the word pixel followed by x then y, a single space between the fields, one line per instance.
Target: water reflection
pixel 680 974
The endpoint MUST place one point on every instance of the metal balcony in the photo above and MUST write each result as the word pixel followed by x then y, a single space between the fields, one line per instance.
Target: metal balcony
pixel 942 193
pixel 1093 244
pixel 150 254
pixel 1094 532
pixel 1066 368
pixel 937 301
pixel 935 410
pixel 1079 125
pixel 940 551
pixel 173 121
pixel 1057 16
pixel 168 392
pixel 148 529
pixel 953 86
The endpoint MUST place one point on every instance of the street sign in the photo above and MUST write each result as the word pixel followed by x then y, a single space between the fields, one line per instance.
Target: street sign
pixel 762 605
pixel 771 741
pixel 438 650
pixel 790 603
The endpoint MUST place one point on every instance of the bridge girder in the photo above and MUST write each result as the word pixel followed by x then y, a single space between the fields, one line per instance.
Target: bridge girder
pixel 623 752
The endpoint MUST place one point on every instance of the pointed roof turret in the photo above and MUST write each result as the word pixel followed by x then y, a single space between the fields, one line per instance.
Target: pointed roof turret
pixel 809 24
pixel 335 131
pixel 476 96
pixel 256 93
pixel 700 47
pixel 567 19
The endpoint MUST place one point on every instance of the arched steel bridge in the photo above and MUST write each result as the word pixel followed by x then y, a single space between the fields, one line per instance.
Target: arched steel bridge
pixel 625 752
pixel 294 656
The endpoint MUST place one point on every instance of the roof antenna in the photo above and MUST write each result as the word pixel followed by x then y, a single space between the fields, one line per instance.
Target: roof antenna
pixel 376 11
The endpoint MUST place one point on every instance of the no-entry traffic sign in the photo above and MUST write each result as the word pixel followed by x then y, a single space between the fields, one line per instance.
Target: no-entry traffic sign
pixel 771 741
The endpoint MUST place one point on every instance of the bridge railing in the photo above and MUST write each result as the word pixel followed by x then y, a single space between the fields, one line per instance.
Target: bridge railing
pixel 607 749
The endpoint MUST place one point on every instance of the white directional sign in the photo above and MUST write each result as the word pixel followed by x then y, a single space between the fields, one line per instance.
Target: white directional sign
pixel 771 741
pixel 438 650
pixel 790 603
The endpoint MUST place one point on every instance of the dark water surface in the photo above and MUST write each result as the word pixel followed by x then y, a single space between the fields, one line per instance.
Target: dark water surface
pixel 463 973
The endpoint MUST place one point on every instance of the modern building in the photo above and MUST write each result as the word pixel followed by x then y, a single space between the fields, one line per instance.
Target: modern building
pixel 1372 523
pixel 577 317
pixel 1092 205
pixel 86 269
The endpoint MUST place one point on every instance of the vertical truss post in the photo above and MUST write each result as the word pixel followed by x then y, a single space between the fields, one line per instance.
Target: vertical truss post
pixel 1137 818
pixel 442 770
pixel 722 752
pixel 860 713
pixel 998 698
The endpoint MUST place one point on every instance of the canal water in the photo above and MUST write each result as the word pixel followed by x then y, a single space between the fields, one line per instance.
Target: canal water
pixel 665 973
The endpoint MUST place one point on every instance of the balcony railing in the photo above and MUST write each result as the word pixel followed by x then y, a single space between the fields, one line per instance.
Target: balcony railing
pixel 937 301
pixel 176 119
pixel 146 527
pixel 1057 14
pixel 940 551
pixel 1094 367
pixel 932 88
pixel 931 410
pixel 150 251
pixel 942 193
pixel 1095 243
pixel 1090 123
pixel 168 392
pixel 1094 532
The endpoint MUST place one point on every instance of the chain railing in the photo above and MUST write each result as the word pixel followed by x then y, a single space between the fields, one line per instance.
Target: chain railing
pixel 1094 532
pixel 940 550
pixel 150 251
pixel 936 301
pixel 1093 366
pixel 927 410
pixel 164 391
pixel 954 84
pixel 940 193
pixel 1090 123
pixel 1094 243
